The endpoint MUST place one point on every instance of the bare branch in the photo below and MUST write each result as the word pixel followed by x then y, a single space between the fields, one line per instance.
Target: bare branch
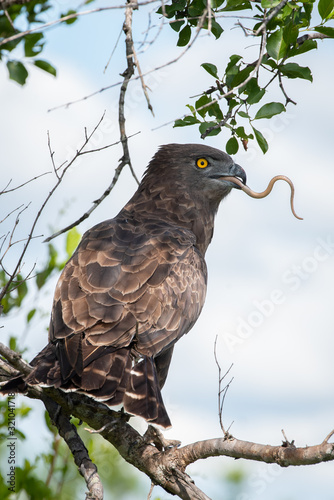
pixel 311 36
pixel 79 452
pixel 221 390
pixel 96 203
pixel 63 19
pixel 164 466
pixel 7 371
pixel 5 190
pixel 157 68
pixel 284 456
pixel 60 177
pixel 15 360
pixel 52 156
pixel 113 50
pixel 280 83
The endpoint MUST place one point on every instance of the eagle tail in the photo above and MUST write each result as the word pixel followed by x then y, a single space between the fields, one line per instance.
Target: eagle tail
pixel 108 378
pixel 45 371
pixel 143 395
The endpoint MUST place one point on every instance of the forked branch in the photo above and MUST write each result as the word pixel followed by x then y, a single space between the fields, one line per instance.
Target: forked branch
pixel 165 467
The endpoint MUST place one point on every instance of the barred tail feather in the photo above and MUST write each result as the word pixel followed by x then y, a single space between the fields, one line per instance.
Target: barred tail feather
pixel 143 396
pixel 109 378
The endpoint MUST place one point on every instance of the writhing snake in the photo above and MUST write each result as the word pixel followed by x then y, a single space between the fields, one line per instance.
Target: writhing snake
pixel 267 191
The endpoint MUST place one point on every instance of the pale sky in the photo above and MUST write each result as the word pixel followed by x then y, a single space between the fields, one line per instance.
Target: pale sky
pixel 271 276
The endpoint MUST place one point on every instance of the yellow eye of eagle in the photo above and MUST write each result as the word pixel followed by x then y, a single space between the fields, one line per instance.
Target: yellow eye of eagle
pixel 202 163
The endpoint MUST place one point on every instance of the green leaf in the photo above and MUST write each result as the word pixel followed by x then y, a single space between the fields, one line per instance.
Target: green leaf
pixel 45 66
pixel 233 61
pixel 204 126
pixel 304 47
pixel 72 241
pixel 276 46
pixel 290 33
pixel 232 146
pixel 269 4
pixel 243 114
pixel 13 343
pixel 203 101
pixel 187 120
pixel 17 72
pixel 68 13
pixel 31 45
pixel 30 315
pixel 214 110
pixel 176 25
pixel 22 289
pixel 326 30
pixel 184 36
pixel 241 76
pixel 216 29
pixel 240 131
pixel 211 69
pixel 293 70
pixel 269 110
pixel 254 92
pixel 237 5
pixel 269 62
pixel 261 140
pixel 325 8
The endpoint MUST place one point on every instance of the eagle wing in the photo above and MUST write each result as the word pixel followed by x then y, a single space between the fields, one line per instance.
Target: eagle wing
pixel 128 293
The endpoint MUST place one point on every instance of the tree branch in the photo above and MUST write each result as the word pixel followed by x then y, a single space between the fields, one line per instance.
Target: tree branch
pixel 165 467
pixel 75 444
pixel 97 202
pixel 59 177
pixel 272 14
pixel 63 19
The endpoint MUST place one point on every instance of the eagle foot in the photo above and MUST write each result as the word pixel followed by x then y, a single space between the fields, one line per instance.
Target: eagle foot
pixel 154 436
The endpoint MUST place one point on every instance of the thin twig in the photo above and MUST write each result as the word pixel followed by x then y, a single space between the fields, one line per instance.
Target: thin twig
pixel 52 156
pixel 272 14
pixel 157 68
pixel 10 213
pixel 40 211
pixel 143 84
pixel 281 86
pixel 106 192
pixel 113 50
pixel 96 203
pixel 5 190
pixel 64 19
pixel 221 391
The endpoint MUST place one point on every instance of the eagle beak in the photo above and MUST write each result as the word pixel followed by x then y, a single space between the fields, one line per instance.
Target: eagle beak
pixel 237 172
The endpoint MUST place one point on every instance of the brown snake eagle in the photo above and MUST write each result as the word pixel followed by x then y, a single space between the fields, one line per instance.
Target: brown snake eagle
pixel 136 284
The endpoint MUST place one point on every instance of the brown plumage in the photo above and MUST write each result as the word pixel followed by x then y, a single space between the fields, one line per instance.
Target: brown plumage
pixel 136 284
